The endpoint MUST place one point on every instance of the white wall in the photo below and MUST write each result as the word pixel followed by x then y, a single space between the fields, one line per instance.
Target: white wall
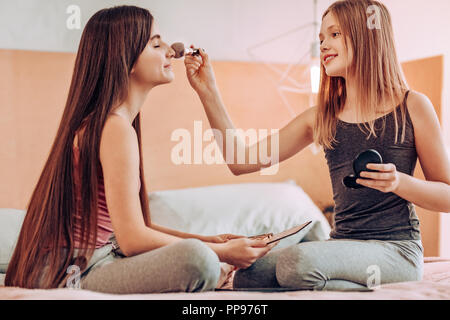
pixel 226 28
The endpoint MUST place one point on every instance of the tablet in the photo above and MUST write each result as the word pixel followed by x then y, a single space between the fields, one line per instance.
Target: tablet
pixel 281 235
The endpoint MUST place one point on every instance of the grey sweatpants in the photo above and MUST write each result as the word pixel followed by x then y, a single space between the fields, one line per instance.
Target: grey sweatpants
pixel 187 266
pixel 335 265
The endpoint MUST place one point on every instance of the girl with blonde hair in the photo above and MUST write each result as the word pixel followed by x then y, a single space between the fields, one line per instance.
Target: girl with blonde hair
pixel 363 103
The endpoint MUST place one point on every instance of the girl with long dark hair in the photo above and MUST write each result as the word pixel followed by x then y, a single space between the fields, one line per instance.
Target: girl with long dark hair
pixel 92 186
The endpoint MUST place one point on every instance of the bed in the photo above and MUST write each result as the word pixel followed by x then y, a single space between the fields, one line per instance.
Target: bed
pixel 434 286
pixel 246 209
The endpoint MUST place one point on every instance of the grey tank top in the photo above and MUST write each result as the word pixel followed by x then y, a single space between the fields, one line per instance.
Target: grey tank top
pixel 368 213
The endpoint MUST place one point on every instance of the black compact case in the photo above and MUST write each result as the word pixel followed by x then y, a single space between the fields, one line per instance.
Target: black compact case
pixel 359 165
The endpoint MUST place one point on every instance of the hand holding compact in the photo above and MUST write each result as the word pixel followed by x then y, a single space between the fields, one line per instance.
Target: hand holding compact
pixel 371 172
pixel 359 165
pixel 383 177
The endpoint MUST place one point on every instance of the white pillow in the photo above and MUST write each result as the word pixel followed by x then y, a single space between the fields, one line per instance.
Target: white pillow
pixel 10 225
pixel 244 209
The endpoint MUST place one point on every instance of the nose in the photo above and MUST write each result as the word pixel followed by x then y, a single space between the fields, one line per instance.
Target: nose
pixel 323 47
pixel 323 50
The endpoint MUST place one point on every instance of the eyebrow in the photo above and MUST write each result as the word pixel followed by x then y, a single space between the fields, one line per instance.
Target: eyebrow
pixel 330 27
pixel 156 36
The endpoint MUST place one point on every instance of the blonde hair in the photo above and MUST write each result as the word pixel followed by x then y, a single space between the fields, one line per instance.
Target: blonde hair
pixel 375 67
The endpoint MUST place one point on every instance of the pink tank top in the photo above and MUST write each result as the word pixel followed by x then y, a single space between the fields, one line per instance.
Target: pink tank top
pixel 104 226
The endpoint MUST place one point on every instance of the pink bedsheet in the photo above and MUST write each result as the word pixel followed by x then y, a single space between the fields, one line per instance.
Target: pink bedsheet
pixel 435 285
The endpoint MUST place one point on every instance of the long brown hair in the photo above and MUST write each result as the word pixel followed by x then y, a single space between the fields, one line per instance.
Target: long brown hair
pixel 375 67
pixel 111 43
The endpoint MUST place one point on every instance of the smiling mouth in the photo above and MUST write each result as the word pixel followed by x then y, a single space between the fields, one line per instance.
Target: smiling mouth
pixel 329 58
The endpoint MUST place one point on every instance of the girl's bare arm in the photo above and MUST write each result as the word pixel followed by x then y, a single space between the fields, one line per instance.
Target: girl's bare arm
pixel 292 138
pixel 434 193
